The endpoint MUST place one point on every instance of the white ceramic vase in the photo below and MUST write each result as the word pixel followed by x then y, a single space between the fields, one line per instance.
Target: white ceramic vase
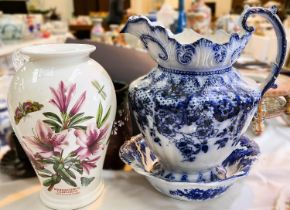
pixel 62 105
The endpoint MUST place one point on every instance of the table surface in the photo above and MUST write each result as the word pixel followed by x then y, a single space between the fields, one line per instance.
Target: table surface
pixel 128 190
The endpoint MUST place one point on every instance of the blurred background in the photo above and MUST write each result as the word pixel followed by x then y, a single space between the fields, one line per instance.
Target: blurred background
pixel 98 22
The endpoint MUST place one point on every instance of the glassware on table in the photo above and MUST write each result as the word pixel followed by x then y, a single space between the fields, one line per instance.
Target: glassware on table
pixel 97 32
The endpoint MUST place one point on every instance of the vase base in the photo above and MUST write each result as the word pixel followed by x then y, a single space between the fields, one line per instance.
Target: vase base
pixel 74 203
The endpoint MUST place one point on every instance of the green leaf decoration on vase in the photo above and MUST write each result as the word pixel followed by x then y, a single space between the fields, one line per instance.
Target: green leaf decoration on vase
pixel 100 119
pixel 50 139
pixel 61 98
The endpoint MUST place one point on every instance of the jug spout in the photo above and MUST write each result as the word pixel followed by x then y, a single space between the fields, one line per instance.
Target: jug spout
pixel 188 50
pixel 148 32
pixel 191 51
pixel 136 25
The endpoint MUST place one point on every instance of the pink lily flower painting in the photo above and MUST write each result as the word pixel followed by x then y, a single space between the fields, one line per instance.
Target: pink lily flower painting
pixel 89 141
pixel 64 145
pixel 89 164
pixel 62 98
pixel 35 158
pixel 45 142
pixel 75 109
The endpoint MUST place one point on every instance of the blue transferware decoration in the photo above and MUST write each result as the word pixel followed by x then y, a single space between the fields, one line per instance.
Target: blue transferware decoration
pixel 236 166
pixel 5 127
pixel 11 27
pixel 181 22
pixel 193 107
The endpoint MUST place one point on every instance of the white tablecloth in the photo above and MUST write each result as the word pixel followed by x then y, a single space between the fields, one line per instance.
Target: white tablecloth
pixel 130 191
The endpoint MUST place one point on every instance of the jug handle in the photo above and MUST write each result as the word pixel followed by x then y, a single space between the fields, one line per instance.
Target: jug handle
pixel 269 14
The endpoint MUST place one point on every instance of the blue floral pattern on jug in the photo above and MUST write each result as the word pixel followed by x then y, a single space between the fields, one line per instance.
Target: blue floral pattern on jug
pixel 202 53
pixel 198 194
pixel 137 154
pixel 168 104
pixel 140 157
pixel 193 107
pixel 5 127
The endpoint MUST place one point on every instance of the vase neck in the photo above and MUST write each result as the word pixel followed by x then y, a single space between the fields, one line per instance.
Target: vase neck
pixel 58 52
pixel 61 60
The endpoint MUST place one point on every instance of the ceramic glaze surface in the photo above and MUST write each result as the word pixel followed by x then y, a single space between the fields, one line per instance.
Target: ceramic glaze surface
pixel 197 194
pixel 236 166
pixel 194 106
pixel 137 154
pixel 12 27
pixel 187 50
pixel 200 116
pixel 62 106
pixel 5 127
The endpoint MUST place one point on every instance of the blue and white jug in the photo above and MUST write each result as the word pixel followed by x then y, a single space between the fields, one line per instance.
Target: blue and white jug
pixel 193 107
